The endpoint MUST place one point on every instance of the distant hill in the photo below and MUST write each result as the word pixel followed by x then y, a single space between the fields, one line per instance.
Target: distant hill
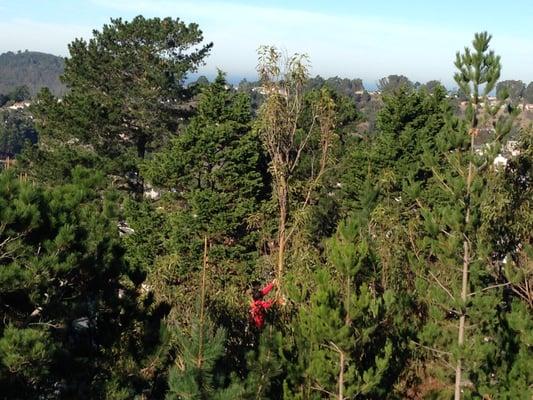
pixel 32 69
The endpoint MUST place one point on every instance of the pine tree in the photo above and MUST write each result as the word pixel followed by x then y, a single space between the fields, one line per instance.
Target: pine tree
pixel 126 90
pixel 348 339
pixel 264 367
pixel 61 266
pixel 195 374
pixel 464 313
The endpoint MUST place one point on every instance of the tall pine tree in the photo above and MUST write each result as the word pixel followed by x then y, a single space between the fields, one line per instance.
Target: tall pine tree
pixel 464 302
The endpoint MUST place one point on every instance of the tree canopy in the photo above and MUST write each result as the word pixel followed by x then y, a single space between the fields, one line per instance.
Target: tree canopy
pixel 126 87
pixel 143 220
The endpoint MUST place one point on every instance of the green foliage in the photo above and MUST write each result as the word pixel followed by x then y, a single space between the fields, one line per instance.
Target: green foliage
pixel 25 353
pixel 528 93
pixel 212 178
pixel 60 268
pixel 126 87
pixel 214 174
pixel 54 165
pixel 19 93
pixel 97 287
pixel 344 337
pixel 16 128
pixel 478 69
pixel 391 83
pixel 456 257
pixel 297 133
pixel 430 86
pixel 194 375
pixel 407 127
pixel 514 89
pixel 147 242
pixel 265 368
pixel 342 86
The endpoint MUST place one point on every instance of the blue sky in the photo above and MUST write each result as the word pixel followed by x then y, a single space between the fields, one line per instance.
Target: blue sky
pixel 365 39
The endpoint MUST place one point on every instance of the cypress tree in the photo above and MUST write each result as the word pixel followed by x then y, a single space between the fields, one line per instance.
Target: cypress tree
pixel 213 173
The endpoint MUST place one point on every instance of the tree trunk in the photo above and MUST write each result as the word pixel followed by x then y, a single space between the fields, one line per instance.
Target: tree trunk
pixel 141 152
pixel 466 258
pixel 141 146
pixel 200 357
pixel 462 319
pixel 282 236
pixel 464 294
pixel 341 376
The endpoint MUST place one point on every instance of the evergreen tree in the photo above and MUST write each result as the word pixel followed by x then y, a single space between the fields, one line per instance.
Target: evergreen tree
pixel 326 205
pixel 16 130
pixel 214 172
pixel 60 267
pixel 126 90
pixel 528 93
pixel 194 375
pixel 392 83
pixel 464 312
pixel 514 89
pixel 148 238
pixel 345 337
pixel 265 367
pixel 407 127
pixel 509 224
pixel 213 180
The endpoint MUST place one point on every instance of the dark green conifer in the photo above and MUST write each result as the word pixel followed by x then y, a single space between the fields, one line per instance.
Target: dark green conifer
pixel 60 271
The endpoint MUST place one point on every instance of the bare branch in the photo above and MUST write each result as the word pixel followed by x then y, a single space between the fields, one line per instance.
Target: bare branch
pixel 441 285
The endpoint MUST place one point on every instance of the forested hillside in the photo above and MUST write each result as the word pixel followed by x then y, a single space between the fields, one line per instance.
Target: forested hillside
pixel 31 69
pixel 297 239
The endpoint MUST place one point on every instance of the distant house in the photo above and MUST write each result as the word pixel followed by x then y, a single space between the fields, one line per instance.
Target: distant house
pixel 152 194
pixel 500 161
pixel 512 148
pixel 264 91
pixel 6 160
pixel 19 105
